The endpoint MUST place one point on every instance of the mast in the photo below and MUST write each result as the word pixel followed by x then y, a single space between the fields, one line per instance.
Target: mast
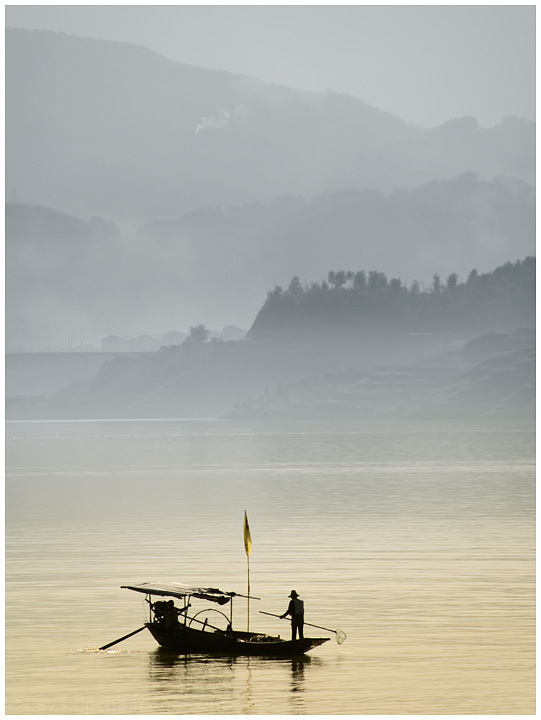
pixel 248 549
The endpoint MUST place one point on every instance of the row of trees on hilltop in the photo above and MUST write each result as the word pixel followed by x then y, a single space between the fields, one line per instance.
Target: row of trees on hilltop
pixel 374 280
pixel 484 302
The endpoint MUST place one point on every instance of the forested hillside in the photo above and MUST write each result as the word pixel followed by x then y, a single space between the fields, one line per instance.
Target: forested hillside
pixel 356 303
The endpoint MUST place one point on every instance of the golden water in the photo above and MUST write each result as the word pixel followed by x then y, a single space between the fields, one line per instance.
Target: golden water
pixel 420 546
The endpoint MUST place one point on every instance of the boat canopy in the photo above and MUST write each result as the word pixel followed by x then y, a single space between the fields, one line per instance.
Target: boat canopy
pixel 178 590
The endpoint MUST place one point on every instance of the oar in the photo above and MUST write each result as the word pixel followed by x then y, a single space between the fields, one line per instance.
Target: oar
pixel 340 634
pixel 124 637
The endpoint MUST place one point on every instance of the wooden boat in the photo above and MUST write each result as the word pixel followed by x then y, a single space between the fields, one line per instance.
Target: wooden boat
pixel 175 629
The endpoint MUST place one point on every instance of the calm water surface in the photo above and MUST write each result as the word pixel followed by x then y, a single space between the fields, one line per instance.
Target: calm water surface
pixel 419 546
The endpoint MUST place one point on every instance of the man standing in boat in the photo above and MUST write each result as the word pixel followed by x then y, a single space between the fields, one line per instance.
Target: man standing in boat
pixel 296 610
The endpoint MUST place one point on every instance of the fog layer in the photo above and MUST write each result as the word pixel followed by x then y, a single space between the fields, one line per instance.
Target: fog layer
pixel 151 197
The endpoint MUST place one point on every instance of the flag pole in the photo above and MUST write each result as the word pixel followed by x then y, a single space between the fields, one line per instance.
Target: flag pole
pixel 248 549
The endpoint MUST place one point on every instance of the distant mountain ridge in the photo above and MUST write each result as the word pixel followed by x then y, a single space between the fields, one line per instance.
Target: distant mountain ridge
pixel 215 265
pixel 131 136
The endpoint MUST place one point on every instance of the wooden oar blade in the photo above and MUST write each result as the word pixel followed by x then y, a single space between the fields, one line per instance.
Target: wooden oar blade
pixel 124 637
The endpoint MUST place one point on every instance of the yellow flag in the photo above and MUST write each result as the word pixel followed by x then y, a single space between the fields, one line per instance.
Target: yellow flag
pixel 247 537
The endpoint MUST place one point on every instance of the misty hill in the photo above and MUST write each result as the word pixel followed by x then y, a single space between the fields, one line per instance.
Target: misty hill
pixel 98 128
pixel 445 226
pixel 44 374
pixel 56 268
pixel 388 367
pixel 215 265
pixel 488 381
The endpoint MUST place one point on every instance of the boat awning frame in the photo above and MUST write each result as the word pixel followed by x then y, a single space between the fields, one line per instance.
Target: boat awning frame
pixel 178 590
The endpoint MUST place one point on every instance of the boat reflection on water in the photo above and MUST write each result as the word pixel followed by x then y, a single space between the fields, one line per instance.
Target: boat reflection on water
pixel 164 662
pixel 206 675
pixel 297 672
pixel 298 684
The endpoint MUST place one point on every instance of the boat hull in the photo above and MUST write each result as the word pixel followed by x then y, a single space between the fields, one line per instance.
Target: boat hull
pixel 186 640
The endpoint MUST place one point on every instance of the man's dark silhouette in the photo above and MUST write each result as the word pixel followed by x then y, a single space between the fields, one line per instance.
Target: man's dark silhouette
pixel 296 610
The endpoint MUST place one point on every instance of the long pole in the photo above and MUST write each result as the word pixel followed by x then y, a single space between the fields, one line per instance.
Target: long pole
pixel 340 634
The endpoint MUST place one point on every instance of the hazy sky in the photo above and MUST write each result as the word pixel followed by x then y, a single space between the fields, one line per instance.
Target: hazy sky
pixel 425 63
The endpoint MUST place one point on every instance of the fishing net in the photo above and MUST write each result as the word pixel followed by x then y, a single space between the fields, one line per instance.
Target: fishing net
pixel 340 636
